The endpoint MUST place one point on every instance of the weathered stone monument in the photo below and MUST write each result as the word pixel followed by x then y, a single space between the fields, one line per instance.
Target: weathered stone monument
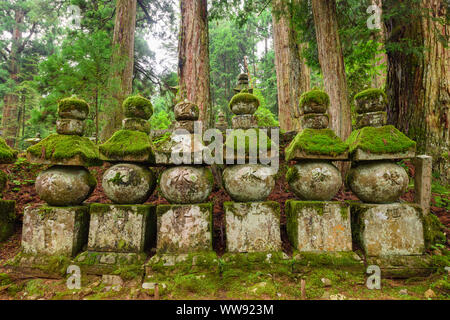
pixel 7 207
pixel 315 223
pixel 123 233
pixel 60 228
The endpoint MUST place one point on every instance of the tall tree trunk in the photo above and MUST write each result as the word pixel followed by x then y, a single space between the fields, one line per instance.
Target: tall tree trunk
pixel 122 63
pixel 379 80
pixel 10 121
pixel 418 85
pixel 293 76
pixel 332 64
pixel 193 57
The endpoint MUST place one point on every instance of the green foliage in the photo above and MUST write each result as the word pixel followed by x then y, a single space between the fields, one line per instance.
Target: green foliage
pixel 137 107
pixel 7 154
pixel 387 139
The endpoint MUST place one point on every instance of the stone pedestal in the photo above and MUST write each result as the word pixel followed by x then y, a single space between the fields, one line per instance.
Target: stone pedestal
pixel 319 225
pixel 252 226
pixel 7 217
pixel 184 228
pixel 121 228
pixel 55 230
pixel 390 229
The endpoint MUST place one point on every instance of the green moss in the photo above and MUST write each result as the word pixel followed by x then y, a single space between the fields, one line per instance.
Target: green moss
pixel 162 139
pixel 292 175
pixel 7 218
pixel 137 107
pixel 387 139
pixel 236 137
pixel 314 96
pixel 370 94
pixel 69 104
pixel 127 143
pixel 432 230
pixel 316 142
pixel 3 180
pixel 58 147
pixel 7 154
pixel 244 97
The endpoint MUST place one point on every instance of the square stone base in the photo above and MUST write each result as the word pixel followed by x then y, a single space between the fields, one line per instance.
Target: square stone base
pixel 252 226
pixel 127 265
pixel 388 229
pixel 184 228
pixel 304 262
pixel 182 263
pixel 7 218
pixel 55 230
pixel 319 226
pixel 404 267
pixel 121 228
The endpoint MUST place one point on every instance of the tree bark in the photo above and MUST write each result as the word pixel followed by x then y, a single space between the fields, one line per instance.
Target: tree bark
pixel 379 80
pixel 293 75
pixel 193 57
pixel 10 118
pixel 418 85
pixel 332 64
pixel 122 63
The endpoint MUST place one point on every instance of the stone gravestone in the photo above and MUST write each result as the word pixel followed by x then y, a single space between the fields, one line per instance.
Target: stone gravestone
pixel 7 207
pixel 315 223
pixel 60 228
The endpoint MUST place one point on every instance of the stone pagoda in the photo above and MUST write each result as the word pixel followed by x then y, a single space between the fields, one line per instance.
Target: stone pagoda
pixel 60 228
pixel 314 222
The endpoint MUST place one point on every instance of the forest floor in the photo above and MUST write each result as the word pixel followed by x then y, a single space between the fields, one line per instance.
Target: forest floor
pixel 257 285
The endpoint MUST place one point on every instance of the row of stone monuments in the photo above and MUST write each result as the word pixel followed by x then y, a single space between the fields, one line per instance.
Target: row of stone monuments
pixel 106 236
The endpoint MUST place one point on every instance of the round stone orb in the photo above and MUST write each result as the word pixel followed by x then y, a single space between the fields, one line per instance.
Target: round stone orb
pixel 64 185
pixel 186 184
pixel 249 182
pixel 127 183
pixel 315 181
pixel 378 181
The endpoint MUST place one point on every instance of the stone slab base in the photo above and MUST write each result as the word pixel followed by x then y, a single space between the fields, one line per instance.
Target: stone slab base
pixel 184 229
pixel 388 229
pixel 126 265
pixel 122 228
pixel 54 231
pixel 306 261
pixel 319 225
pixel 252 226
pixel 7 218
pixel 403 267
pixel 185 262
pixel 274 261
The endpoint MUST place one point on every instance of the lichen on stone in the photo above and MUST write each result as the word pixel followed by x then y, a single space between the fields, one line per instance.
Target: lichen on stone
pixel 314 96
pixel 7 154
pixel 244 97
pixel 137 107
pixel 57 147
pixel 127 143
pixel 316 142
pixel 386 139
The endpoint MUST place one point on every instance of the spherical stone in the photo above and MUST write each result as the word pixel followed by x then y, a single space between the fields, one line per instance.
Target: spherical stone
pixel 315 121
pixel 73 108
pixel 186 184
pixel 244 107
pixel 312 107
pixel 244 121
pixel 64 185
pixel 249 182
pixel 315 180
pixel 137 107
pixel 370 105
pixel 136 124
pixel 372 119
pixel 378 181
pixel 186 110
pixel 70 127
pixel 127 183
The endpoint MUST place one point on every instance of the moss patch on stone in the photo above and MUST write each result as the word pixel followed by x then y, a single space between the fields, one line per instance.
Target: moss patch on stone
pixel 316 142
pixel 7 218
pixel 432 231
pixel 371 94
pixel 244 97
pixel 137 107
pixel 7 154
pixel 314 96
pixel 73 104
pixel 127 143
pixel 57 147
pixel 236 138
pixel 387 139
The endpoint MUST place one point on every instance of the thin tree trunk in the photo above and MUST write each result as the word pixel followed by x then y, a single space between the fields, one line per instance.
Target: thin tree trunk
pixel 122 63
pixel 332 64
pixel 193 57
pixel 418 85
pixel 293 76
pixel 11 106
pixel 379 80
